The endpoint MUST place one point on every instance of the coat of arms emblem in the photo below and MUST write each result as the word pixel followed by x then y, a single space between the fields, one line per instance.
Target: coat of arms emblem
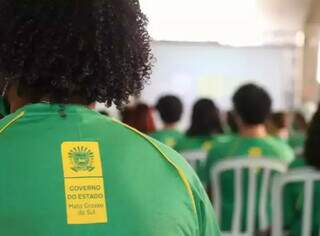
pixel 81 159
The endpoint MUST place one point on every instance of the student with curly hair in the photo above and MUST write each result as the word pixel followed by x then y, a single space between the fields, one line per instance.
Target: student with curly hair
pixel 65 169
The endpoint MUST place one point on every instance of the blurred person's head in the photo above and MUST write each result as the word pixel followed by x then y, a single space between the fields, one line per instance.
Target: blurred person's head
pixel 312 150
pixel 205 120
pixel 232 122
pixel 139 117
pixel 72 51
pixel 299 122
pixel 170 109
pixel 252 105
pixel 278 124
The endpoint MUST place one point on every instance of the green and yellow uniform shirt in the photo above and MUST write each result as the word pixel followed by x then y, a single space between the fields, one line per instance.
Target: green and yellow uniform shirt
pixel 242 147
pixel 68 171
pixel 169 137
pixel 293 198
pixel 188 143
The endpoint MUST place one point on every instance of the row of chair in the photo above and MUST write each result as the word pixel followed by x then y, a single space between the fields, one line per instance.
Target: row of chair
pixel 266 168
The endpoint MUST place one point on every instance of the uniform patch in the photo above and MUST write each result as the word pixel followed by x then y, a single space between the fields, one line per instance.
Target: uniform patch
pixel 171 142
pixel 81 159
pixel 84 183
pixel 255 152
pixel 207 146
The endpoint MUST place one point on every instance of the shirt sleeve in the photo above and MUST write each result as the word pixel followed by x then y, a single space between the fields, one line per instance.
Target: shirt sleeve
pixel 206 219
pixel 208 224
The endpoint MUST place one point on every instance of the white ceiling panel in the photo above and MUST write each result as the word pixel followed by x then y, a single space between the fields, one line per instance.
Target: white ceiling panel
pixel 233 22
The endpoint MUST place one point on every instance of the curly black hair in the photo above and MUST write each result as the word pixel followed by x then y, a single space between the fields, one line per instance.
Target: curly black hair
pixel 97 50
pixel 170 108
pixel 253 104
pixel 312 151
pixel 205 120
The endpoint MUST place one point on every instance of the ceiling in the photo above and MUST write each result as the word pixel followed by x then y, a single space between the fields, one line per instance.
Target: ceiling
pixel 233 22
pixel 285 15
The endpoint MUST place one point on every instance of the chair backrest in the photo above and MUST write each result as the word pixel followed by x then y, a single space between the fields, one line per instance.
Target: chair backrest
pixel 194 157
pixel 254 167
pixel 306 176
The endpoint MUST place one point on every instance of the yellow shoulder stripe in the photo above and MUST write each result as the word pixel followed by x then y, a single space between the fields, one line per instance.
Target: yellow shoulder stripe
pixel 178 169
pixel 12 121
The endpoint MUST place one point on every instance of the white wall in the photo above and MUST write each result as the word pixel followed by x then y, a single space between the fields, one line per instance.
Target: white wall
pixel 193 70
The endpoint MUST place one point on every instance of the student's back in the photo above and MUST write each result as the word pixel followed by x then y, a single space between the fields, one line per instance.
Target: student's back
pixel 242 147
pixel 170 137
pixel 65 169
pixel 188 143
pixel 238 146
pixel 149 190
pixel 252 105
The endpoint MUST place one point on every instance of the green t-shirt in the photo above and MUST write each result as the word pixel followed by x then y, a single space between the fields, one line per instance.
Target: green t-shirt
pixel 169 137
pixel 293 198
pixel 188 143
pixel 241 147
pixel 69 171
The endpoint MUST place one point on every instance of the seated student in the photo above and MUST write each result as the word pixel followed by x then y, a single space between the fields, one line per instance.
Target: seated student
pixel 170 109
pixel 139 117
pixel 67 170
pixel 278 125
pixel 252 105
pixel 205 123
pixel 293 193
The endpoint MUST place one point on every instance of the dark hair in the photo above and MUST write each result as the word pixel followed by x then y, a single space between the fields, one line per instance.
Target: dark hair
pixel 252 103
pixel 299 122
pixel 205 119
pixel 139 117
pixel 170 109
pixel 279 120
pixel 97 50
pixel 232 123
pixel 312 151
